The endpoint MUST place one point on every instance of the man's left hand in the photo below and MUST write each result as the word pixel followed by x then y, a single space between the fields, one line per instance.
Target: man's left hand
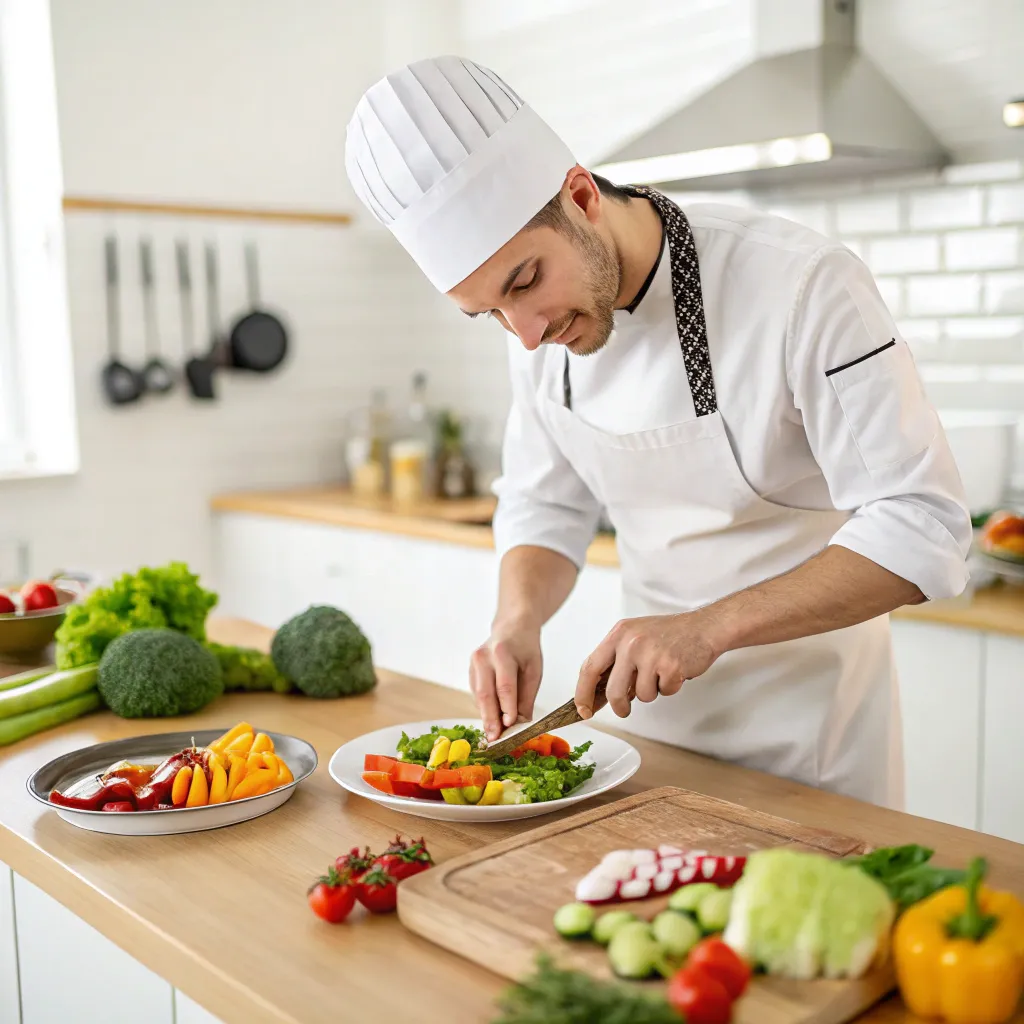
pixel 653 656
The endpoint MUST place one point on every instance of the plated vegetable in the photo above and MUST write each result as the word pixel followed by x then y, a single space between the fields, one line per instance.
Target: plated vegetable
pixel 451 765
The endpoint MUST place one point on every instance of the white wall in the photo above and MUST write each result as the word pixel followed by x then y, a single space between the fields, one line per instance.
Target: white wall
pixel 243 102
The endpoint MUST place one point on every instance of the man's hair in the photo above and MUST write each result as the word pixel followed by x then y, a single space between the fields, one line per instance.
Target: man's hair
pixel 553 215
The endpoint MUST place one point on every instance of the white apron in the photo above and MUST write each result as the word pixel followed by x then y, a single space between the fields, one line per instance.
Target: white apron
pixel 822 710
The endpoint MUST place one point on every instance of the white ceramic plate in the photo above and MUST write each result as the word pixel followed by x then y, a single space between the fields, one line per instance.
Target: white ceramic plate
pixel 616 761
pixel 64 771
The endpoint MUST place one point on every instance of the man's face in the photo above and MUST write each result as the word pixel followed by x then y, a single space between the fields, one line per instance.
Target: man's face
pixel 549 285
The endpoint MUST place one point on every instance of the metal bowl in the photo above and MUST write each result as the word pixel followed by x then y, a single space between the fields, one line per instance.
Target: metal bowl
pixel 24 636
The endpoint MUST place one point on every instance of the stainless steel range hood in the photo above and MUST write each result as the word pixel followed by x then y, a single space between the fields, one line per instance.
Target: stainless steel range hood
pixel 821 112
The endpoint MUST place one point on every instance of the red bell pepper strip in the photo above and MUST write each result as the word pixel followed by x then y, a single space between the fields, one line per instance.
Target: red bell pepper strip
pixel 410 789
pixel 118 805
pixel 378 763
pixel 404 771
pixel 457 778
pixel 560 747
pixel 379 780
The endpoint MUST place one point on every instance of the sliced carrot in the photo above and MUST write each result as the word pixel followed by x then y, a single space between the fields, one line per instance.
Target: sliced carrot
pixel 560 747
pixel 379 780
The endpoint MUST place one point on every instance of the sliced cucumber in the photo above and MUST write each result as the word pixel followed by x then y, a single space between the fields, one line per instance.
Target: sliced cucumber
pixel 51 689
pixel 574 920
pixel 608 924
pixel 19 727
pixel 689 896
pixel 676 932
pixel 713 911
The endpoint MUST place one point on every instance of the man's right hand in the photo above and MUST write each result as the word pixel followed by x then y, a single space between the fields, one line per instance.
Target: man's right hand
pixel 504 675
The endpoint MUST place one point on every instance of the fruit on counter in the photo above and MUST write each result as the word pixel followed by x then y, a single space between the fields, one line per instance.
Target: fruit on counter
pixel 959 953
pixel 403 860
pixel 324 653
pixel 38 595
pixel 1003 534
pixel 575 920
pixel 48 690
pixel 802 915
pixel 676 933
pixel 574 997
pixel 7 606
pixel 19 727
pixel 354 862
pixel 377 890
pixel 168 597
pixel 153 673
pixel 609 923
pixel 906 873
pixel 332 896
pixel 247 670
pixel 699 997
pixel 637 874
pixel 721 961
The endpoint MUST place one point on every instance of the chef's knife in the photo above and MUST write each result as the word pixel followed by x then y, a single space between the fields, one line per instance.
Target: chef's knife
pixel 557 719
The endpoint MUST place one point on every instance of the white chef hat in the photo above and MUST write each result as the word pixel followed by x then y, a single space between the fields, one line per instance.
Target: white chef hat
pixel 453 162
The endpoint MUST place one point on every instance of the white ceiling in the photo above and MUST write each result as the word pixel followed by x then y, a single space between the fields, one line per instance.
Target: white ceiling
pixel 956 61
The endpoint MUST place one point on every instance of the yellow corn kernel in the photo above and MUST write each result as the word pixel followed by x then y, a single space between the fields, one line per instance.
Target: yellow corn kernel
pixel 236 774
pixel 221 742
pixel 219 785
pixel 260 743
pixel 180 786
pixel 199 791
pixel 256 783
pixel 439 753
pixel 492 793
pixel 459 751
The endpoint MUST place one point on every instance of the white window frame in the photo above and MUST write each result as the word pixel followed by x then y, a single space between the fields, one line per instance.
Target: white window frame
pixel 37 386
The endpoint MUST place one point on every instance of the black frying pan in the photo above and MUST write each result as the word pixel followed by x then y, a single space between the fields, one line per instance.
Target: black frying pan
pixel 258 341
pixel 198 369
pixel 121 384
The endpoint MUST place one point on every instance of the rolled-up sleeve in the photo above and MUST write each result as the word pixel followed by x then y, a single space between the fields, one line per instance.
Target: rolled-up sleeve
pixel 542 500
pixel 873 431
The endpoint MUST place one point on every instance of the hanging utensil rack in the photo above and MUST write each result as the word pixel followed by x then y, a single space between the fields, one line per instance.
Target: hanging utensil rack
pixel 99 204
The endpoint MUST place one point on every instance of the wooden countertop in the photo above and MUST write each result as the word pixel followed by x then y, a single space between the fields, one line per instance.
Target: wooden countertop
pixel 222 914
pixel 997 609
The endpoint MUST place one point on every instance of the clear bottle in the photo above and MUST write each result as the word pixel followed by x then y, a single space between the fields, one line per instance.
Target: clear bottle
pixel 368 450
pixel 412 454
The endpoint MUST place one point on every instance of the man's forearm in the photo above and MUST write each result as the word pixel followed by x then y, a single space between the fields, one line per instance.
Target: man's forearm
pixel 834 589
pixel 534 583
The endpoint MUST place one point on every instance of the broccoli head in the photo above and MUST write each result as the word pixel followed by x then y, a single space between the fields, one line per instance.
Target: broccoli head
pixel 324 653
pixel 245 668
pixel 158 673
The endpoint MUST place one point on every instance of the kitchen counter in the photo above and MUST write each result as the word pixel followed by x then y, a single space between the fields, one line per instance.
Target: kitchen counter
pixel 996 609
pixel 222 915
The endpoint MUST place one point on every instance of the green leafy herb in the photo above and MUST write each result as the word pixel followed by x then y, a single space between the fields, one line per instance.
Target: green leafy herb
pixel 168 597
pixel 417 750
pixel 906 873
pixel 544 778
pixel 555 996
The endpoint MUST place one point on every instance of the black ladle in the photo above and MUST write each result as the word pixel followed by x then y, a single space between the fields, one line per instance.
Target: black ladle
pixel 121 384
pixel 198 369
pixel 156 373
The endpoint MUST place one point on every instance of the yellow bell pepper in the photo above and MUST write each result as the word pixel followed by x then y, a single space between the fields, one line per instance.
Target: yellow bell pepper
pixel 254 761
pixel 959 954
pixel 240 744
pixel 219 785
pixel 459 751
pixel 181 786
pixel 199 790
pixel 261 742
pixel 256 783
pixel 492 793
pixel 284 773
pixel 235 774
pixel 439 752
pixel 221 742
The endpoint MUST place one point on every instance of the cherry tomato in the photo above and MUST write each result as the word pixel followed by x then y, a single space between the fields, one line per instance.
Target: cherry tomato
pixel 332 897
pixel 377 891
pixel 38 595
pixel 354 863
pixel 6 604
pixel 721 961
pixel 699 997
pixel 402 860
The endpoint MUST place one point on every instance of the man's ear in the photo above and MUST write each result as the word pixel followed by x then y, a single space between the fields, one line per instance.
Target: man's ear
pixel 582 192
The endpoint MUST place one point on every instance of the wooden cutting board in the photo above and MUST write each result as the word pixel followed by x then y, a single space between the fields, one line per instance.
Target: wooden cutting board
pixel 495 906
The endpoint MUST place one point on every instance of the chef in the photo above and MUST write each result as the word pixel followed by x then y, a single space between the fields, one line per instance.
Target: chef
pixel 728 387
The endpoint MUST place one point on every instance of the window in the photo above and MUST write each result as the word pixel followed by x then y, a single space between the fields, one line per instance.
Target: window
pixel 37 414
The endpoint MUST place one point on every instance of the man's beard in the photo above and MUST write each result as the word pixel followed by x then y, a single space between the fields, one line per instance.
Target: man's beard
pixel 603 274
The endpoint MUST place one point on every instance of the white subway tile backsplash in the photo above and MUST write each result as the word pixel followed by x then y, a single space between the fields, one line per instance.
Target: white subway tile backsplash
pixel 873 214
pixel 983 327
pixel 970 174
pixel 1004 293
pixel 815 216
pixel 903 255
pixel 947 208
pixel 1006 204
pixel 943 294
pixel 987 249
pixel 891 290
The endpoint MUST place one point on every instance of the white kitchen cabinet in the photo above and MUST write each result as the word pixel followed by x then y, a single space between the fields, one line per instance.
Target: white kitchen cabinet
pixel 940 678
pixel 188 1011
pixel 10 1001
pixel 71 972
pixel 1002 798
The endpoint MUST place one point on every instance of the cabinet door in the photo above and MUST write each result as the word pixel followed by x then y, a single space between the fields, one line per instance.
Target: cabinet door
pixel 1002 808
pixel 98 981
pixel 10 1003
pixel 940 682
pixel 188 1011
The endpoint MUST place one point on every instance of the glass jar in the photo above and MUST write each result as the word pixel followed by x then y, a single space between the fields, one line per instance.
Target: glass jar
pixel 408 471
